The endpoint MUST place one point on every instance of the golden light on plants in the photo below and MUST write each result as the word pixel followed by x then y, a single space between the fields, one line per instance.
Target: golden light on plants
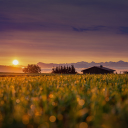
pixel 60 117
pixel 83 125
pixel 50 101
pixel 52 118
pixel 15 62
pixel 81 102
pixel 25 119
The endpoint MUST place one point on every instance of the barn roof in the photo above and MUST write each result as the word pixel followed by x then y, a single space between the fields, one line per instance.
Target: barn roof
pixel 101 67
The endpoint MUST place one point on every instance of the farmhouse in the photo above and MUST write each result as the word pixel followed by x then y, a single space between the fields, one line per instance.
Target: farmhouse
pixel 125 72
pixel 97 70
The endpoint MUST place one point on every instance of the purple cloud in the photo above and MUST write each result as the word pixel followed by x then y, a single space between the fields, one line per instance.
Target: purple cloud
pixel 123 30
pixel 93 28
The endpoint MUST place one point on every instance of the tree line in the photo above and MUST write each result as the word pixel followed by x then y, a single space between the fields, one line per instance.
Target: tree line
pixel 64 70
pixel 33 68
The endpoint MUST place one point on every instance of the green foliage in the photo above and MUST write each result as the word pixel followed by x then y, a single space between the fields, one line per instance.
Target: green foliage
pixel 32 68
pixel 65 101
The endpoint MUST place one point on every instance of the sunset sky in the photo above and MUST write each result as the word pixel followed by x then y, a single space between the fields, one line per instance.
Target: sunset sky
pixel 63 31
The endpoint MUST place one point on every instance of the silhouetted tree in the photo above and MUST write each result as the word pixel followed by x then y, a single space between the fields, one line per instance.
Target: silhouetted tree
pixel 72 69
pixel 25 70
pixel 32 68
pixel 53 69
pixel 69 69
pixel 64 71
pixel 61 69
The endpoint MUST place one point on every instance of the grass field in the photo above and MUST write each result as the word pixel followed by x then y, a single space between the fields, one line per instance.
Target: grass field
pixel 64 101
pixel 8 74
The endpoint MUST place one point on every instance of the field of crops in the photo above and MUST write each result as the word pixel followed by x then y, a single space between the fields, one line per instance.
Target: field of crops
pixel 64 101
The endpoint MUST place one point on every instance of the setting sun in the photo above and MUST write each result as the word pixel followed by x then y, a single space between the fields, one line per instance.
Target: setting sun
pixel 15 62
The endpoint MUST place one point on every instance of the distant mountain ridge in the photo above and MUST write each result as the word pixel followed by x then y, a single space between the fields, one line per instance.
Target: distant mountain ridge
pixel 84 64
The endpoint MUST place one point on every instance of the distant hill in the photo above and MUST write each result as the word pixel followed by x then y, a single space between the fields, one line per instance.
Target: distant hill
pixel 84 64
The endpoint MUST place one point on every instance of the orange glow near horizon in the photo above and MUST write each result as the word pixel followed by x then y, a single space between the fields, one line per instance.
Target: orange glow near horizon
pixel 24 61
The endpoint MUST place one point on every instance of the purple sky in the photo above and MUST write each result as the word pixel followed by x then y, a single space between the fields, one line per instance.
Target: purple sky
pixel 63 31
